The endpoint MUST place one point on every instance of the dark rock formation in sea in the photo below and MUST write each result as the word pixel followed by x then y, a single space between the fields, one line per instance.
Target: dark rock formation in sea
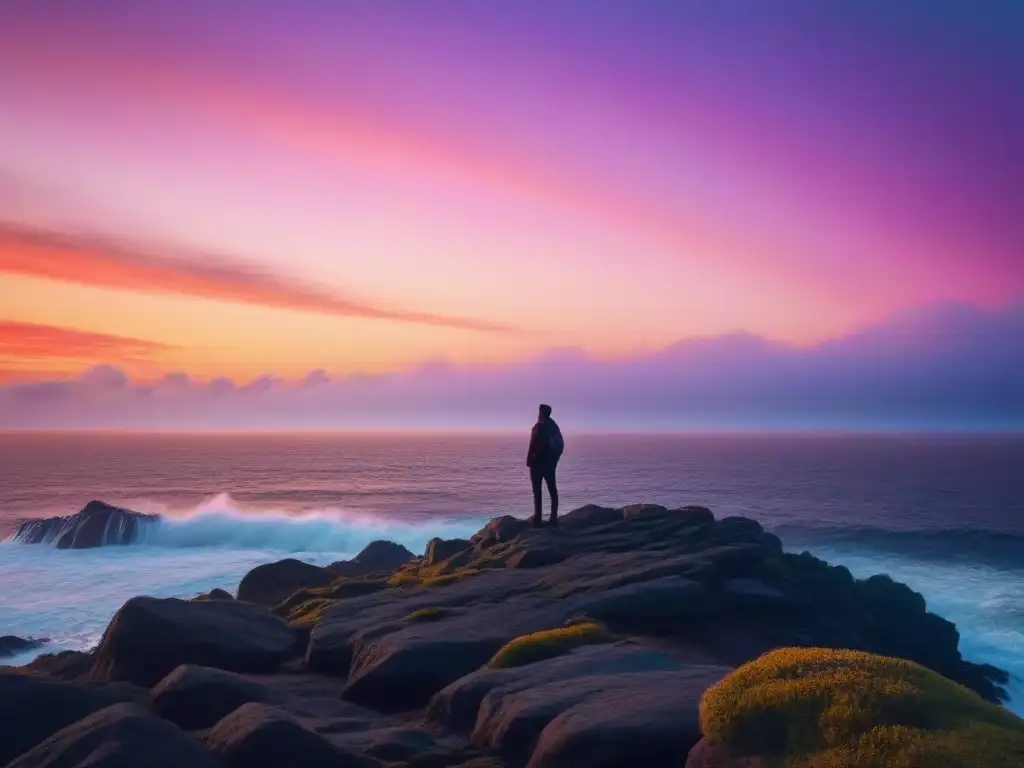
pixel 596 644
pixel 97 525
pixel 12 644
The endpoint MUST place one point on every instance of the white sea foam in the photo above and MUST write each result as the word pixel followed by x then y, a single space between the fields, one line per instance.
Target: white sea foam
pixel 69 596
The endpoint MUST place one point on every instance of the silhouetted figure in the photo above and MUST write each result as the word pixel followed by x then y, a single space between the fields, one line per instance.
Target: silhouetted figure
pixel 546 446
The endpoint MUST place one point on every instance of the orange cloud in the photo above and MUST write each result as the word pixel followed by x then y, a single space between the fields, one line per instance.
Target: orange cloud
pixel 108 263
pixel 29 340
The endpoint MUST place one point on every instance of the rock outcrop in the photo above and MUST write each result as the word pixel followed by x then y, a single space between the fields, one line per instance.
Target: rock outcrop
pixel 259 736
pixel 590 645
pixel 149 637
pixel 120 736
pixel 33 708
pixel 97 525
pixel 377 557
pixel 269 584
pixel 195 697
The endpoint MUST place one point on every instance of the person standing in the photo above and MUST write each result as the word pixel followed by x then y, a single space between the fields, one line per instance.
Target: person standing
pixel 546 447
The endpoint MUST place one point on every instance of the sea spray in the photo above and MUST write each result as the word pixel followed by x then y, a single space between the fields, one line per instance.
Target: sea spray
pixel 219 522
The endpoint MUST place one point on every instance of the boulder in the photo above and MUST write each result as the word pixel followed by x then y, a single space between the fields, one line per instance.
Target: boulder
pixel 97 524
pixel 32 708
pixel 215 594
pixel 648 718
pixel 640 511
pixel 269 584
pixel 660 606
pixel 457 706
pixel 608 705
pixel 590 515
pixel 402 671
pixel 378 557
pixel 12 644
pixel 120 736
pixel 149 637
pixel 439 550
pixel 498 531
pixel 196 697
pixel 259 736
pixel 693 514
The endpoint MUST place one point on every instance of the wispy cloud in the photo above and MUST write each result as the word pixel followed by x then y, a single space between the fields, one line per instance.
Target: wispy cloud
pixel 30 340
pixel 108 262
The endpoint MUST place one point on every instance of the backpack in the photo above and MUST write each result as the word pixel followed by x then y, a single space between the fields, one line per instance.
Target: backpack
pixel 556 444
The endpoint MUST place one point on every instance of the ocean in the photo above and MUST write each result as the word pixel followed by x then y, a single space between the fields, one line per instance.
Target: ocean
pixel 943 513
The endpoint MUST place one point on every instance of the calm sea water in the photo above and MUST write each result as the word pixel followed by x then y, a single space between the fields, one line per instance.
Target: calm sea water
pixel 943 513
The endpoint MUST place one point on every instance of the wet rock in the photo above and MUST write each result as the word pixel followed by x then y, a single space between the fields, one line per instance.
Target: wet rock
pixel 378 557
pixel 149 637
pixel 12 644
pixel 269 584
pixel 32 708
pixel 98 524
pixel 196 697
pixel 259 736
pixel 120 736
pixel 439 550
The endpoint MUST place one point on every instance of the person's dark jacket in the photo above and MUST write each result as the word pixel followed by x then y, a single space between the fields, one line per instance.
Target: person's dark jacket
pixel 538 453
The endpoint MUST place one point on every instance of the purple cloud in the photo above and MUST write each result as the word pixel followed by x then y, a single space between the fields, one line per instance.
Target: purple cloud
pixel 944 367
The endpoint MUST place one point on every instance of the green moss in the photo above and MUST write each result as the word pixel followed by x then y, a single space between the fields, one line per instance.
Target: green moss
pixel 549 644
pixel 825 708
pixel 430 577
pixel 341 589
pixel 430 614
pixel 309 612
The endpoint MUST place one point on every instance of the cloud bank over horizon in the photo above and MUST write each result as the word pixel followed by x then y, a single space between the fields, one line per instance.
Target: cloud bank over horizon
pixel 948 366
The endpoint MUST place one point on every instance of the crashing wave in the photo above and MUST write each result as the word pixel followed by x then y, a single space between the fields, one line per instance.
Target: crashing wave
pixel 219 523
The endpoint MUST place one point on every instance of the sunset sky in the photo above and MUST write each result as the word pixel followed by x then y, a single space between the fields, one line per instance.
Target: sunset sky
pixel 245 191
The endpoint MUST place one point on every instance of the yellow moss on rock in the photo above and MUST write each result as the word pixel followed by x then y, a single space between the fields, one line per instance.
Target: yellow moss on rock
pixel 549 644
pixel 826 708
pixel 429 577
pixel 309 612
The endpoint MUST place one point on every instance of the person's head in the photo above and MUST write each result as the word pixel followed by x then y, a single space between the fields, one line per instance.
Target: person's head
pixel 545 411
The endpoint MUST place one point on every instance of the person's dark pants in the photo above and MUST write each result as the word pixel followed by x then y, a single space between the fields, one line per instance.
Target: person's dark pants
pixel 544 473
